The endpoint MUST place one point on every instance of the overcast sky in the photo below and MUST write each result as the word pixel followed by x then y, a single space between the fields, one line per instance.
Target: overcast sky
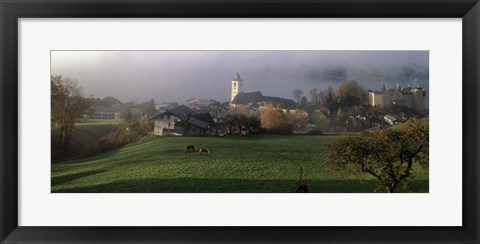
pixel 169 76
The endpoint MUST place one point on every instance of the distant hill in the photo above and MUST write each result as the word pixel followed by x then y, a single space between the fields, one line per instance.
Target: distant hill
pixel 107 102
pixel 111 103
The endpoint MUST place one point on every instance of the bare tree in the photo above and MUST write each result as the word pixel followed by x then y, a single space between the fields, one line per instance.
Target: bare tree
pixel 330 100
pixel 313 95
pixel 67 107
pixel 297 93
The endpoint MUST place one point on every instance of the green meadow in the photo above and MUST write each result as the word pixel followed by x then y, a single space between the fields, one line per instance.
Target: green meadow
pixel 253 164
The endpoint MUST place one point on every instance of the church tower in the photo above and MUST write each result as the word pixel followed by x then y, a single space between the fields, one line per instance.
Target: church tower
pixel 236 86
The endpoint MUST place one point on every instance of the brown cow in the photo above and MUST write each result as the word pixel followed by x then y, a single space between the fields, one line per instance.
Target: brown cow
pixel 203 151
pixel 190 148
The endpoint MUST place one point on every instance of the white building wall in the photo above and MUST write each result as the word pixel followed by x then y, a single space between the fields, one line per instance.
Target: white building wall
pixel 418 100
pixel 236 87
pixel 371 99
pixel 414 100
pixel 375 99
pixel 164 122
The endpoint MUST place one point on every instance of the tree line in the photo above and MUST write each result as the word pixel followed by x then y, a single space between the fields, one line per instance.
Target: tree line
pixel 348 94
pixel 329 109
pixel 269 119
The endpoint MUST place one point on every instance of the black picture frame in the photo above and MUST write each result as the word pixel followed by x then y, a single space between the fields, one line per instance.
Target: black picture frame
pixel 11 11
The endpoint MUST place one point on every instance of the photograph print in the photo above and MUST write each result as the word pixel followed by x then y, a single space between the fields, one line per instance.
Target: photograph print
pixel 286 121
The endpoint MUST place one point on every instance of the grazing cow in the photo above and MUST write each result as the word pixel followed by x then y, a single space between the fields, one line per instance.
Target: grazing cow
pixel 203 151
pixel 301 189
pixel 190 148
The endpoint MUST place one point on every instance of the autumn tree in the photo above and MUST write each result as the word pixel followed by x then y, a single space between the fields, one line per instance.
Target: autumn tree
pixel 274 121
pixel 237 117
pixel 350 94
pixel 297 93
pixel 68 106
pixel 388 155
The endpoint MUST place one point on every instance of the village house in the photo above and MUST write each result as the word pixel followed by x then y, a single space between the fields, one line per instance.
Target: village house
pixel 197 125
pixel 165 121
pixel 106 113
pixel 391 120
pixel 181 121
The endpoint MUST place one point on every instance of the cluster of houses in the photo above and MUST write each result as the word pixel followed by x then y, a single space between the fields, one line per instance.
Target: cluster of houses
pixel 362 123
pixel 107 108
pixel 106 113
pixel 182 120
pixel 208 116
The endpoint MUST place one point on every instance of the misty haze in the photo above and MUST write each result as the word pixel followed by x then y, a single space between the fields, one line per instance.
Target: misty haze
pixel 176 76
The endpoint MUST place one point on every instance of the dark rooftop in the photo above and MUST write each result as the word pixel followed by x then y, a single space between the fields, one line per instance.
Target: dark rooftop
pixel 198 123
pixel 248 97
pixel 257 97
pixel 205 117
pixel 285 103
pixel 181 112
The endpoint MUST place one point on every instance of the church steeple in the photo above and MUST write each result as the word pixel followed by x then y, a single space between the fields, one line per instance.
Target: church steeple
pixel 237 77
pixel 236 86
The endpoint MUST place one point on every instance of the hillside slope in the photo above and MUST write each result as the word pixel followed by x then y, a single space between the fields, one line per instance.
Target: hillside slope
pixel 84 138
pixel 236 164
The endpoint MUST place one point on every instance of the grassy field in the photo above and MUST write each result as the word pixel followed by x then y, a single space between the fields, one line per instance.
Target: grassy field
pixel 264 163
pixel 84 137
pixel 96 122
